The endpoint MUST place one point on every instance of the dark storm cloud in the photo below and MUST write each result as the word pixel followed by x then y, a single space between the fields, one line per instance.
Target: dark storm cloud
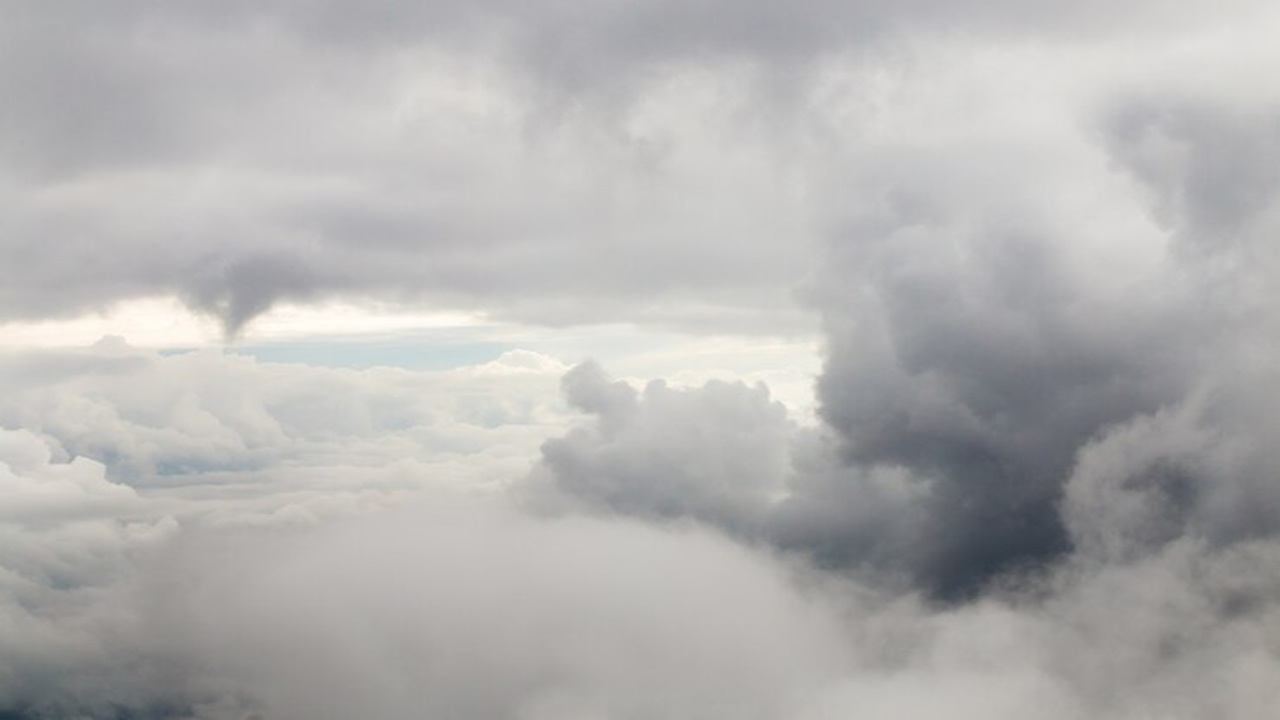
pixel 1010 313
pixel 981 371
pixel 991 351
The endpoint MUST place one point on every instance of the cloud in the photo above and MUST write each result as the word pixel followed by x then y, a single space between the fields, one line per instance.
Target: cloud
pixel 983 337
pixel 419 177
pixel 213 417
pixel 227 604
pixel 477 608
pixel 716 453
pixel 40 491
pixel 69 539
pixel 1021 371
pixel 1040 241
pixel 1198 470
pixel 480 612
pixel 649 161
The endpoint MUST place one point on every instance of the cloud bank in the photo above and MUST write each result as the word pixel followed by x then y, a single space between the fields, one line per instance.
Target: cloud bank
pixel 647 161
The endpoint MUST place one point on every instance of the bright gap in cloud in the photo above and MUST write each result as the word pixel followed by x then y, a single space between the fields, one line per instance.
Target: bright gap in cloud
pixel 165 323
pixel 358 336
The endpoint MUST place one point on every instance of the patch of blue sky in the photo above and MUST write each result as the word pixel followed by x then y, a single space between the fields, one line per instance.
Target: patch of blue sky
pixel 407 353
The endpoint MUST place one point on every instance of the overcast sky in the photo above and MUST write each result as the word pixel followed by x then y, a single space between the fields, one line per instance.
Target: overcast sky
pixel 547 360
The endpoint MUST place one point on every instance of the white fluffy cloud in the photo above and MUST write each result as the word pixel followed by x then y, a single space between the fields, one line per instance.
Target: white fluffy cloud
pixel 208 416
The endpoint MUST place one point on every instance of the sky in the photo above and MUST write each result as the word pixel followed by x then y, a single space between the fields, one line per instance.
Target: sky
pixel 633 359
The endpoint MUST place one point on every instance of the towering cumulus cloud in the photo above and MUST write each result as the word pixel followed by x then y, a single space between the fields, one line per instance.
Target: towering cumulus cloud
pixel 1019 296
pixel 1036 239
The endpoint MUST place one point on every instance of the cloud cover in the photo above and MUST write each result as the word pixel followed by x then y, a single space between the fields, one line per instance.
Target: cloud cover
pixel 636 160
pixel 1039 240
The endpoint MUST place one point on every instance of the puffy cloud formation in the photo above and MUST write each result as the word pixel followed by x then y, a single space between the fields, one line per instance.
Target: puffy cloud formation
pixel 126 456
pixel 1030 305
pixel 67 535
pixel 1163 600
pixel 715 453
pixel 1194 470
pixel 996 349
pixel 210 417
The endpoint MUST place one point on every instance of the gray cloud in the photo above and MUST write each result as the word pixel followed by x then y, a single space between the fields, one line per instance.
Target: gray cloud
pixel 477 609
pixel 1211 169
pixel 1018 371
pixel 264 158
pixel 536 160
pixel 288 594
pixel 981 339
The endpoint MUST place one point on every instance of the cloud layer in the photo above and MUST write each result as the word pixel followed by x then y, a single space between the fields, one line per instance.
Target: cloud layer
pixel 640 161
pixel 1039 240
